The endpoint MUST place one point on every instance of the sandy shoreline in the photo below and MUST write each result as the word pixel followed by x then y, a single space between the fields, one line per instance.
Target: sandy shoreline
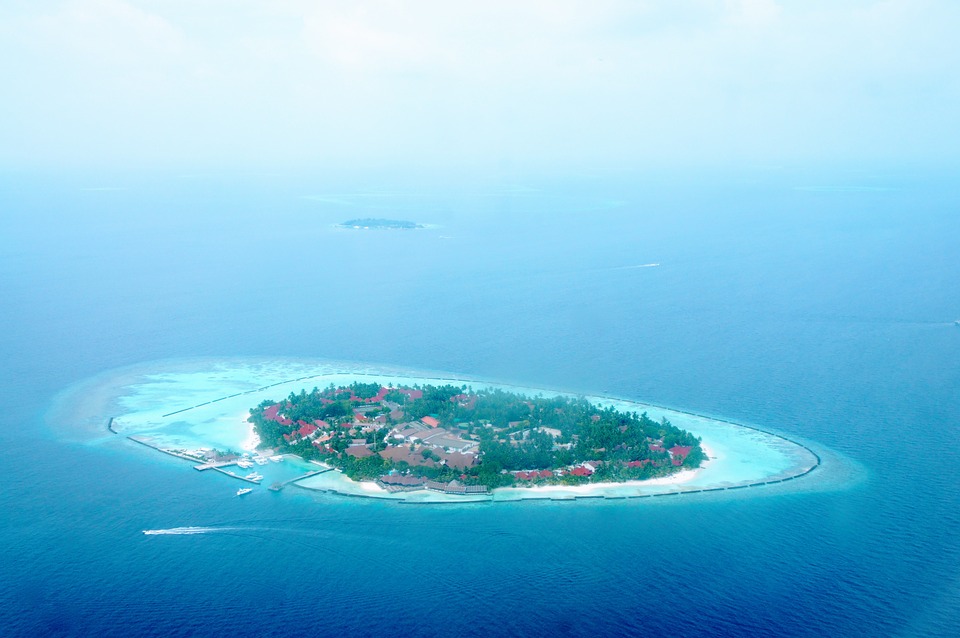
pixel 337 482
pixel 252 441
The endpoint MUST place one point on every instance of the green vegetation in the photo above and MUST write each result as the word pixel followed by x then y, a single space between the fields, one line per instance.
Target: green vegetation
pixel 487 437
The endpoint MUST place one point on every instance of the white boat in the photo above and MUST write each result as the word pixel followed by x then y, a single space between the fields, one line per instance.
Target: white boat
pixel 245 464
pixel 259 460
pixel 253 476
pixel 244 490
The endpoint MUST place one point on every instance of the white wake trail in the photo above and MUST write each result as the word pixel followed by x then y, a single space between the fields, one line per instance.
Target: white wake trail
pixel 180 531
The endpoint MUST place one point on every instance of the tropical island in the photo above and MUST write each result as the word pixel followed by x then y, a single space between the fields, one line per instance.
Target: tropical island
pixel 415 443
pixel 371 223
pixel 460 441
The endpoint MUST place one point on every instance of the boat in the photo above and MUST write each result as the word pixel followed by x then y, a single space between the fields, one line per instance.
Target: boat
pixel 253 476
pixel 245 464
pixel 244 490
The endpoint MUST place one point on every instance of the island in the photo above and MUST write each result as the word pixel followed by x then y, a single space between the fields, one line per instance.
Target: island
pixel 371 223
pixel 415 436
pixel 457 440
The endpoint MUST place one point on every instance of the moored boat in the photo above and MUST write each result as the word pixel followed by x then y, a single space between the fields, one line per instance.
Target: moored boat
pixel 244 490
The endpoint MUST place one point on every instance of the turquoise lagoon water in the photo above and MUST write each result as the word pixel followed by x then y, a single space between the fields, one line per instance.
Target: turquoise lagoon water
pixel 825 315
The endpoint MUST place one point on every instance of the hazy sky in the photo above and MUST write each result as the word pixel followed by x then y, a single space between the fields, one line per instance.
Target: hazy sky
pixel 536 83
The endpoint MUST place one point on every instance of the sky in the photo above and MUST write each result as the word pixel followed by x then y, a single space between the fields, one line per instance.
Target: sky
pixel 430 83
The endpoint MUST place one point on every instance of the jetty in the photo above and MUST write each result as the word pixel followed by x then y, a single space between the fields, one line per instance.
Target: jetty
pixel 276 487
pixel 230 474
pixel 216 466
pixel 179 455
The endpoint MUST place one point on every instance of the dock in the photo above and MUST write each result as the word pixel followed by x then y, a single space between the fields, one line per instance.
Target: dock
pixel 276 487
pixel 231 474
pixel 160 449
pixel 213 465
pixel 216 467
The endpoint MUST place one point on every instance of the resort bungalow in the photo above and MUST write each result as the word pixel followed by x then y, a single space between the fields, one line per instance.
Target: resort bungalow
pixel 358 451
pixel 400 482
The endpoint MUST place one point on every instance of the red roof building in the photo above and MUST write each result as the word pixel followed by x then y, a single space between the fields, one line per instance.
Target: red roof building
pixel 272 413
pixel 306 429
pixel 429 421
pixel 580 471
pixel 379 396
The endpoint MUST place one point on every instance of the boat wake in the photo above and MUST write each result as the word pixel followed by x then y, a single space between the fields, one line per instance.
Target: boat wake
pixel 650 265
pixel 181 531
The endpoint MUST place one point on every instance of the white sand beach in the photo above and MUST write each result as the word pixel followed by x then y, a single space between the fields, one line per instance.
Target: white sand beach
pixel 252 441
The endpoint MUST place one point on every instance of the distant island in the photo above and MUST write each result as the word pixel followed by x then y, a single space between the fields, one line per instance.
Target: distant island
pixel 371 223
pixel 457 440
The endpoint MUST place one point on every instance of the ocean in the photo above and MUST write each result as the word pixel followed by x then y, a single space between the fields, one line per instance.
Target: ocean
pixel 819 303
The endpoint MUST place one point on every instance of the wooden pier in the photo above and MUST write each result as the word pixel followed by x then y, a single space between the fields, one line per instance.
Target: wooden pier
pixel 276 487
pixel 231 474
pixel 217 467
pixel 135 439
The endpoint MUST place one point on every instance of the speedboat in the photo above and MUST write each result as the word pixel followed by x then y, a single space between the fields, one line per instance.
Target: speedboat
pixel 244 490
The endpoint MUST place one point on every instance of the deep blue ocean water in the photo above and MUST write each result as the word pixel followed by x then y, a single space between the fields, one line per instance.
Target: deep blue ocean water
pixel 820 303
